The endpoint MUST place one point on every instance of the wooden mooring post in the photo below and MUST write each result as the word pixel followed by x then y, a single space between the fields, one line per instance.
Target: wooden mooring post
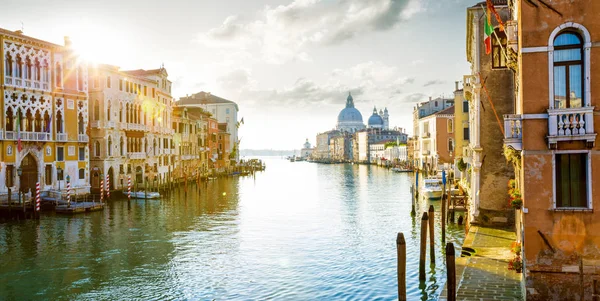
pixel 401 249
pixel 431 233
pixel 423 250
pixel 444 201
pixel 450 272
pixel 412 201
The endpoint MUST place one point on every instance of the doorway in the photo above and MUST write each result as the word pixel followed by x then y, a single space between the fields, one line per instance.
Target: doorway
pixel 29 176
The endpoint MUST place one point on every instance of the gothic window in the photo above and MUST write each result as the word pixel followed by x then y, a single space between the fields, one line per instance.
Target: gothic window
pixel 498 44
pixel 28 68
pixel 120 112
pixel 9 120
pixel 450 126
pixel 46 122
pixel 58 71
pixel 45 71
pixel 28 121
pixel 109 146
pixel 127 113
pixel 19 67
pixel 154 147
pixel 96 110
pixel 59 122
pixel 108 84
pixel 97 149
pixel 568 70
pixel 38 70
pixel 38 122
pixel 8 65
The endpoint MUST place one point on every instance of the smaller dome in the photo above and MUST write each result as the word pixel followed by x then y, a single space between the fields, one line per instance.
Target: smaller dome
pixel 375 120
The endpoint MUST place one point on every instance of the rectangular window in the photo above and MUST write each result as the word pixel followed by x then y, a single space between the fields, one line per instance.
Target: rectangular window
pixel 153 92
pixel 108 85
pixel 571 180
pixel 121 170
pixel 48 172
pixel 465 106
pixel 120 85
pixel 145 90
pixel 60 153
pixel 81 153
pixel 466 134
pixel 227 111
pixel 82 174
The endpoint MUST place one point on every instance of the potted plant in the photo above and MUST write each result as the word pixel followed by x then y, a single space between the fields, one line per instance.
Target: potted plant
pixel 461 165
pixel 516 264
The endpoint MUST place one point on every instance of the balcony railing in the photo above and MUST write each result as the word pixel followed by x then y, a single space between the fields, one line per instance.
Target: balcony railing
pixel 95 124
pixel 110 124
pixel 571 124
pixel 136 127
pixel 83 138
pixel 426 153
pixel 139 155
pixel 512 34
pixel 28 136
pixel 426 135
pixel 61 137
pixel 513 134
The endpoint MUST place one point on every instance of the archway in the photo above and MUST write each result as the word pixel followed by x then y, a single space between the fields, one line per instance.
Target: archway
pixel 139 175
pixel 111 179
pixel 29 174
pixel 95 180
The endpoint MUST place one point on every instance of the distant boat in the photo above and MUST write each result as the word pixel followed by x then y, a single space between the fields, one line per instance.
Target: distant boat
pixel 144 195
pixel 432 188
pixel 398 169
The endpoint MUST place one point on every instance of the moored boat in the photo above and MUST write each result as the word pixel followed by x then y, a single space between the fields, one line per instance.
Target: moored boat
pixel 432 188
pixel 143 195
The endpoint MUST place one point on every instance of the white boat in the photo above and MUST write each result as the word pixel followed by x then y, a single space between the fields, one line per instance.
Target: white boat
pixel 432 188
pixel 398 169
pixel 144 195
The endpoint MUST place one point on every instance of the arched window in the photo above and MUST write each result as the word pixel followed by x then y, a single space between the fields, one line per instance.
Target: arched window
pixel 498 44
pixel 120 112
pixel 568 70
pixel 47 122
pixel 27 74
pixel 97 149
pixel 19 69
pixel 29 121
pixel 121 147
pixel 58 71
pixel 127 113
pixel 9 120
pixel 80 124
pixel 38 70
pixel 8 65
pixel 59 122
pixel 450 126
pixel 108 111
pixel 109 146
pixel 96 110
pixel 38 122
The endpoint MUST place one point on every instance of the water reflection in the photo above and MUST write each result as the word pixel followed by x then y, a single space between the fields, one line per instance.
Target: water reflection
pixel 297 231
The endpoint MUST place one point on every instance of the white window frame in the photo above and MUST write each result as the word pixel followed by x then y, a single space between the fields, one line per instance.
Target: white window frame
pixel 587 45
pixel 588 185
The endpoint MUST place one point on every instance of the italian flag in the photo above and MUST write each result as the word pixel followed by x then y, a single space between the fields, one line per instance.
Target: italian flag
pixel 488 30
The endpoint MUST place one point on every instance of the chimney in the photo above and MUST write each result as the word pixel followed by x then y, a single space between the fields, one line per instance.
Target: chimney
pixel 67 42
pixel 456 86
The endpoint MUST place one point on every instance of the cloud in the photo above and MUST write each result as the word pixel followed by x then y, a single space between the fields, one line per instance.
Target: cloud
pixel 434 82
pixel 414 97
pixel 284 32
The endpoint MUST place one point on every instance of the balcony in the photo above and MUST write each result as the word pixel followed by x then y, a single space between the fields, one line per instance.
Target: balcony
pixel 426 135
pixel 425 153
pixel 512 35
pixel 469 82
pixel 110 124
pixel 28 136
pixel 95 124
pixel 136 127
pixel 513 131
pixel 61 137
pixel 83 138
pixel 571 124
pixel 139 155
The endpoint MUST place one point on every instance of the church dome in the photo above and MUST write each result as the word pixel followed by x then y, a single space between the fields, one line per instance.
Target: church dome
pixel 350 115
pixel 375 120
pixel 350 119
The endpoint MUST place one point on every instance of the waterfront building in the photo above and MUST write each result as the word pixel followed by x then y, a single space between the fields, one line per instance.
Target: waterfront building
pixel 340 147
pixel 322 151
pixel 427 108
pixel 411 149
pixel 490 92
pixel 223 110
pixel 307 150
pixel 551 140
pixel 350 119
pixel 187 139
pixel 461 122
pixel 435 140
pixel 396 154
pixel 223 148
pixel 362 150
pixel 130 126
pixel 44 97
pixel 377 153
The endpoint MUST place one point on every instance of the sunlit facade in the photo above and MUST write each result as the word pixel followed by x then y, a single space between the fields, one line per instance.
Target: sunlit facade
pixel 44 96
pixel 131 133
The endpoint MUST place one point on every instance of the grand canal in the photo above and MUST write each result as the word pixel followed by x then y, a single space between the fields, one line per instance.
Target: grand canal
pixel 298 231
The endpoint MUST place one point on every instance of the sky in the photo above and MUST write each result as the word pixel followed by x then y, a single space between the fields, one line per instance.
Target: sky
pixel 288 64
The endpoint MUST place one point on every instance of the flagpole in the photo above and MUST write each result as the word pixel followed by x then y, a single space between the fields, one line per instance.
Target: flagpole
pixel 495 35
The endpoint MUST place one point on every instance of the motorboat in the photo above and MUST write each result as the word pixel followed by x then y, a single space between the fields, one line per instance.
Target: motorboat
pixel 399 169
pixel 432 188
pixel 144 195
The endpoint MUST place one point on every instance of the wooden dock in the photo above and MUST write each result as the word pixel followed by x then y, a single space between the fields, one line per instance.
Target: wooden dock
pixel 81 207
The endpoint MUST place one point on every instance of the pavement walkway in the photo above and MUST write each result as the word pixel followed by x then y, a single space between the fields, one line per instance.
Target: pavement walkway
pixel 485 275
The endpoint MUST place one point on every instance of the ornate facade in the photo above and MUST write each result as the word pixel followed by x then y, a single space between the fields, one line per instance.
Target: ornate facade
pixel 131 132
pixel 44 95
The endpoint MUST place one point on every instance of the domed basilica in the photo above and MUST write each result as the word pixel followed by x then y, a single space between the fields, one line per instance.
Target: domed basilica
pixel 350 119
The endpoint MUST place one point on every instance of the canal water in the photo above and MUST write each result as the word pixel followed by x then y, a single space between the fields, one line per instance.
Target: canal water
pixel 297 231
